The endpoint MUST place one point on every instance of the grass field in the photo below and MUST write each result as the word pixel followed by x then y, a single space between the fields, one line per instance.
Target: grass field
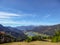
pixel 31 43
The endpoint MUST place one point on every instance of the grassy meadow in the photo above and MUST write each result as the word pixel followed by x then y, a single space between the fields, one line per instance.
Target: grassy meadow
pixel 31 43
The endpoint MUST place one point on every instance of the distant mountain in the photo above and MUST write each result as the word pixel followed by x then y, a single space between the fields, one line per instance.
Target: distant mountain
pixel 49 30
pixel 26 27
pixel 20 30
pixel 12 31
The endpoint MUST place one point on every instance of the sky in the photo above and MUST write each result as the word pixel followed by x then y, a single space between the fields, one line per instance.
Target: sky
pixel 29 12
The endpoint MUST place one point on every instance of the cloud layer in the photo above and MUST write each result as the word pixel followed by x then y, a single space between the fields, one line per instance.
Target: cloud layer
pixel 7 18
pixel 10 19
pixel 8 15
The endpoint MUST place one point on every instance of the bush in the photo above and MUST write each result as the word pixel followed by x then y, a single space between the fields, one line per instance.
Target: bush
pixel 28 39
pixel 34 38
pixel 56 37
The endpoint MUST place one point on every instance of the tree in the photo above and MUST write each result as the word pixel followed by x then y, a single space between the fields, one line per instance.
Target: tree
pixel 28 39
pixel 56 37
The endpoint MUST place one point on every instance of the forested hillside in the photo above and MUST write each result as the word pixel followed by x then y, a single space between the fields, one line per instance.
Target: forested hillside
pixel 49 30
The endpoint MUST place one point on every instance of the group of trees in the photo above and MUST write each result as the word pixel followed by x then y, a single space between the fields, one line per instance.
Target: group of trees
pixel 36 38
pixel 56 37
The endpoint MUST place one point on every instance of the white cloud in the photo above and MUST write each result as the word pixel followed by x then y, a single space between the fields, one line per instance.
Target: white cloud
pixel 14 22
pixel 7 15
pixel 18 22
pixel 23 23
pixel 7 18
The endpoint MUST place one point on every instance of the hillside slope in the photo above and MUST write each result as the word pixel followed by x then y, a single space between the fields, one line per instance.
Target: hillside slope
pixel 49 30
pixel 12 31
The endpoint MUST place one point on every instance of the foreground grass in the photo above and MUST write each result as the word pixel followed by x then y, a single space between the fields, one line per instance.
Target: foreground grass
pixel 31 43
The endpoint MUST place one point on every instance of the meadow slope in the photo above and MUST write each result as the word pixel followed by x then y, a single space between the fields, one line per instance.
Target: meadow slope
pixel 31 43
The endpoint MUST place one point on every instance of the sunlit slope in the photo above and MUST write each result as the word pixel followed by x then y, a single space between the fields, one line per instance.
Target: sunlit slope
pixel 32 43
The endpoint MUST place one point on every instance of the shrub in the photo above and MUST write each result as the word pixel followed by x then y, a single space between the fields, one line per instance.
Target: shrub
pixel 28 39
pixel 56 37
pixel 34 38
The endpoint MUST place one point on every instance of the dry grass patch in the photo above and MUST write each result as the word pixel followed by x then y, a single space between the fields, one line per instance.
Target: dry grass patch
pixel 31 43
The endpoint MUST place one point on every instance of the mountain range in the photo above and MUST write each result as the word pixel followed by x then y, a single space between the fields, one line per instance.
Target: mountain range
pixel 19 30
pixel 12 31
pixel 48 30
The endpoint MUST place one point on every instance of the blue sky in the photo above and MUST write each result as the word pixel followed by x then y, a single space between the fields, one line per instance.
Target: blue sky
pixel 29 12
